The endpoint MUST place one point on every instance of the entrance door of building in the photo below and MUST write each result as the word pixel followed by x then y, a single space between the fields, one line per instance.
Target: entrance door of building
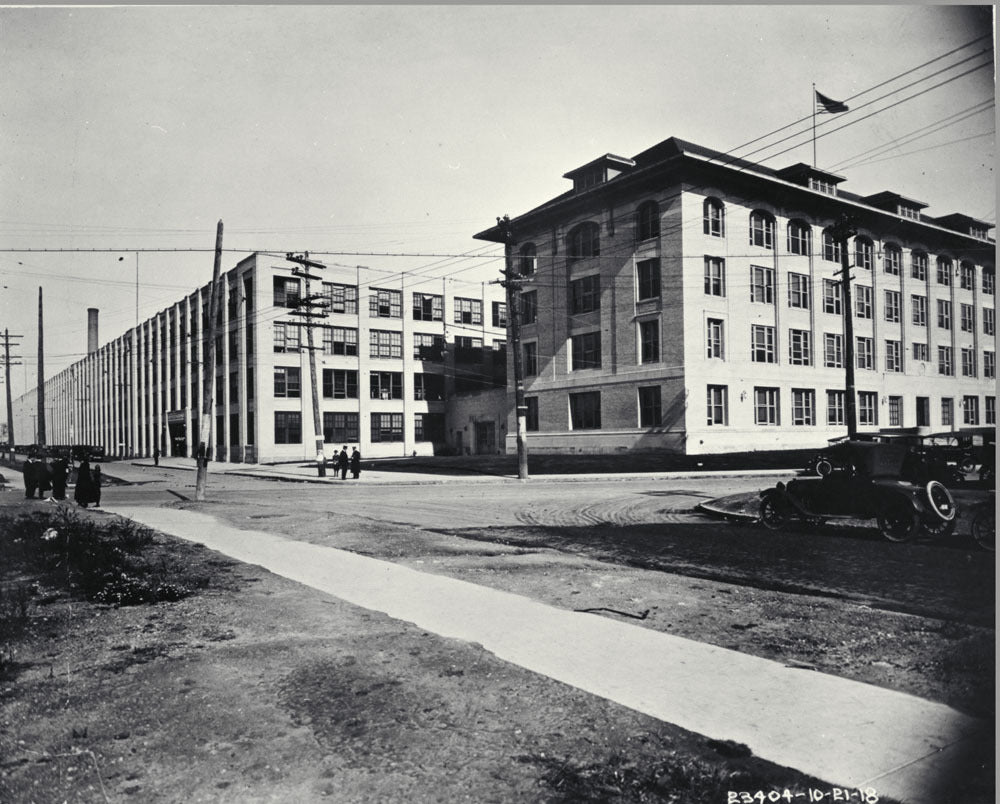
pixel 923 411
pixel 486 438
pixel 178 439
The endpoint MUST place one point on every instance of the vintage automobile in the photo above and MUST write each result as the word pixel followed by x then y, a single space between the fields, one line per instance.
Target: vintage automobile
pixel 832 458
pixel 868 484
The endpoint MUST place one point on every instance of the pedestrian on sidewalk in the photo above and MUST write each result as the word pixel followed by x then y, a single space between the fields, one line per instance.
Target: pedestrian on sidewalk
pixel 156 456
pixel 355 463
pixel 60 471
pixel 84 491
pixel 342 463
pixel 31 469
pixel 95 476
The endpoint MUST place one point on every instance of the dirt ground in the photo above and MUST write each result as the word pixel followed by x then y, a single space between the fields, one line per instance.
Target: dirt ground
pixel 258 689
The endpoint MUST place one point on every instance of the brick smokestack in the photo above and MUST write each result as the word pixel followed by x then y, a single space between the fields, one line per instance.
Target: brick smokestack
pixel 91 330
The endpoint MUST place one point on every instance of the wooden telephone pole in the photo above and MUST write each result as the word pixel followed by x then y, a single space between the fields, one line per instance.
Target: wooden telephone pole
pixel 841 231
pixel 204 454
pixel 10 405
pixel 40 391
pixel 307 304
pixel 512 284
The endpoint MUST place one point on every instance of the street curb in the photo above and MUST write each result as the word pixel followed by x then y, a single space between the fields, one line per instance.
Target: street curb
pixel 708 508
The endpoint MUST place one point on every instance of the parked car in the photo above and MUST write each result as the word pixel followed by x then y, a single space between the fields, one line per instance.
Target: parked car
pixel 834 456
pixel 867 483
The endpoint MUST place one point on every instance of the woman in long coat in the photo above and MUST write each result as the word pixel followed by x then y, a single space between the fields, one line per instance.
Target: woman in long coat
pixel 84 491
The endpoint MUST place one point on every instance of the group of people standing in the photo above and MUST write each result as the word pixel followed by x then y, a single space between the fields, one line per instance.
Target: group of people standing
pixel 41 476
pixel 354 462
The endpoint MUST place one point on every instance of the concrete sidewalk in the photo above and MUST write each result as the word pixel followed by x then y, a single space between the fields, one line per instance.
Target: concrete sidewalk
pixel 844 732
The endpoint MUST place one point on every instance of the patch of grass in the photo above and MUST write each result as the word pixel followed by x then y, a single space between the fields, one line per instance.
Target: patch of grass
pixel 97 559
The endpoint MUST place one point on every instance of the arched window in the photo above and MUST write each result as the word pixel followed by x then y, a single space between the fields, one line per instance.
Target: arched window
pixel 799 238
pixel 584 241
pixel 831 246
pixel 528 257
pixel 647 221
pixel 893 256
pixel 943 271
pixel 761 229
pixel 967 275
pixel 864 252
pixel 715 217
pixel 918 265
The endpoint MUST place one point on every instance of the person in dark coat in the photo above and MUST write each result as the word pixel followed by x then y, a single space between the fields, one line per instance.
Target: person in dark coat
pixel 342 463
pixel 355 463
pixel 95 476
pixel 60 471
pixel 84 491
pixel 156 456
pixel 31 470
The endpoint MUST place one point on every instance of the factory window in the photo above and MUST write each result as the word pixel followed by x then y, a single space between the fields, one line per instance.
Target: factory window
pixel 340 428
pixel 647 221
pixel 386 427
pixel 585 410
pixel 287 427
pixel 287 382
pixel 714 217
pixel 528 258
pixel 340 384
pixel 583 242
pixel 468 311
pixel 799 238
pixel 761 229
pixel 428 307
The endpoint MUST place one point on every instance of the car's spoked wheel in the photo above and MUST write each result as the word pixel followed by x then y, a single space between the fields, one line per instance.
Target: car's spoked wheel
pixel 984 527
pixel 772 514
pixel 899 522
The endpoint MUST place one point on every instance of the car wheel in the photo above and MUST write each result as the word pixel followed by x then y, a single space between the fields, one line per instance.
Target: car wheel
pixel 984 527
pixel 967 465
pixel 940 500
pixel 773 515
pixel 899 521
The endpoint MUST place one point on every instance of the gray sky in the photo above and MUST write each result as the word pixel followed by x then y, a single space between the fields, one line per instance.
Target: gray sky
pixel 409 128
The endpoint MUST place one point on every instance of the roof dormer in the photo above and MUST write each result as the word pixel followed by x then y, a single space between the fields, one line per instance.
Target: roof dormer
pixel 601 170
pixel 966 225
pixel 815 179
pixel 895 203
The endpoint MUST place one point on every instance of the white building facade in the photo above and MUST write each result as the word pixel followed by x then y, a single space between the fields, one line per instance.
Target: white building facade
pixel 390 351
pixel 683 300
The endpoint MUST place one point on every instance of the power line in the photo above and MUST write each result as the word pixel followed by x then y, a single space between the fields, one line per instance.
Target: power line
pixel 864 92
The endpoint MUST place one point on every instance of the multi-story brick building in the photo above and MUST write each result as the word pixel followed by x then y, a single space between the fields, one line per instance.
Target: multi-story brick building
pixel 689 301
pixel 392 350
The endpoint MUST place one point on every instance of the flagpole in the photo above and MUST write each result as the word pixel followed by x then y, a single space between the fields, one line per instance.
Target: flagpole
pixel 814 123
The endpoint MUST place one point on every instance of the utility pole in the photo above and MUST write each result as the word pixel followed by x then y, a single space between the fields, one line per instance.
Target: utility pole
pixel 841 231
pixel 512 284
pixel 41 375
pixel 204 454
pixel 306 304
pixel 10 405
